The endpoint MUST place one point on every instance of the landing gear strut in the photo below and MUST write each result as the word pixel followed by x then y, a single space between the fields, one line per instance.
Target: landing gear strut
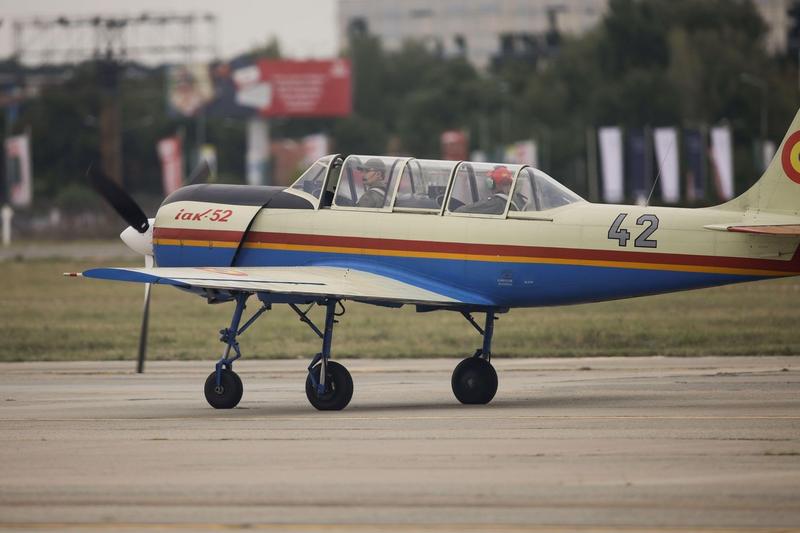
pixel 474 379
pixel 329 386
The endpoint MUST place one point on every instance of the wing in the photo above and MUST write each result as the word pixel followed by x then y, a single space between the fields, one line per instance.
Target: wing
pixel 336 282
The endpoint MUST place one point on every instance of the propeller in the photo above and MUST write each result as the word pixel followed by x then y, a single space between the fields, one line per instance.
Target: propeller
pixel 139 235
pixel 121 201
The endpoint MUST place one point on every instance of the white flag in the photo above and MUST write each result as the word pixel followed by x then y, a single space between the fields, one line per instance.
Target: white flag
pixel 20 176
pixel 257 151
pixel 666 141
pixel 722 159
pixel 767 153
pixel 611 164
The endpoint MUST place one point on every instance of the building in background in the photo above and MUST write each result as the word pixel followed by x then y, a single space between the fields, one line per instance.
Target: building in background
pixel 487 31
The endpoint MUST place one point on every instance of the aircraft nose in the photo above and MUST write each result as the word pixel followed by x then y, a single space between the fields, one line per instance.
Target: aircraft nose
pixel 139 242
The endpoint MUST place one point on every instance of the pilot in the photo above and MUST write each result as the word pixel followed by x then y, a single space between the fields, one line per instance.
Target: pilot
pixel 374 183
pixel 499 180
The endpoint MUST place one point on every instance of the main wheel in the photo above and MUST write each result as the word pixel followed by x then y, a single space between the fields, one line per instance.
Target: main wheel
pixel 229 391
pixel 338 387
pixel 474 381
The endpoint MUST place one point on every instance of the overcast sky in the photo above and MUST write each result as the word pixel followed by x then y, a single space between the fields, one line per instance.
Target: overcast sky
pixel 305 28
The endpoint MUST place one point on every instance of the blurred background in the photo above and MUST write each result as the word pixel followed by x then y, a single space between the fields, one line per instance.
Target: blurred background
pixel 604 95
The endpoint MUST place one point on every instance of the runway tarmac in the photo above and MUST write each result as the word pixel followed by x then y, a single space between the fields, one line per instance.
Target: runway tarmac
pixel 600 444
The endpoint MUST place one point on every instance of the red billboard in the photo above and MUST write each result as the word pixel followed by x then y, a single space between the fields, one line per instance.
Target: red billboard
pixel 278 88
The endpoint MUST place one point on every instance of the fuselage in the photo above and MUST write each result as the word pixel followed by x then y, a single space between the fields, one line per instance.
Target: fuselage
pixel 580 252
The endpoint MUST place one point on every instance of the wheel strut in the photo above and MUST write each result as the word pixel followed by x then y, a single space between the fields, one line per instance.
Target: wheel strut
pixel 327 339
pixel 329 386
pixel 474 380
pixel 223 388
pixel 487 332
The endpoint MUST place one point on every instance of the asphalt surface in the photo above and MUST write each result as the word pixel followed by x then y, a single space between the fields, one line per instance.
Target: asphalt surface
pixel 644 444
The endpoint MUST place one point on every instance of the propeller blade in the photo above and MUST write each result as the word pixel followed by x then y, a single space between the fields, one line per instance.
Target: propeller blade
pixel 200 174
pixel 121 201
pixel 148 263
pixel 143 333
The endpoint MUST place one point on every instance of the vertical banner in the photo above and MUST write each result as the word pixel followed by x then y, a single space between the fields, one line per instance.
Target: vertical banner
pixel 722 161
pixel 257 151
pixel 666 144
pixel 314 147
pixel 695 145
pixel 610 139
pixel 19 177
pixel 767 153
pixel 636 166
pixel 170 152
pixel 455 145
pixel 208 153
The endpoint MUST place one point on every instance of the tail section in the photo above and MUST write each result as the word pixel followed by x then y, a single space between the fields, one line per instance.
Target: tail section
pixel 778 189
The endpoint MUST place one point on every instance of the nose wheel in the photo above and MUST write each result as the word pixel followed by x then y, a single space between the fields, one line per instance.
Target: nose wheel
pixel 225 394
pixel 474 380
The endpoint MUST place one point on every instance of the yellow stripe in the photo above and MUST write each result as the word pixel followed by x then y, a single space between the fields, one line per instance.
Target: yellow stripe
pixel 205 244
pixel 479 257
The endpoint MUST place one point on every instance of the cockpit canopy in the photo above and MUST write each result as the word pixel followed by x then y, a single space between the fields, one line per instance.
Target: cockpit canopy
pixel 381 183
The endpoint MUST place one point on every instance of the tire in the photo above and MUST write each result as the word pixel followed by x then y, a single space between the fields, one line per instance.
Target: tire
pixel 474 381
pixel 338 385
pixel 229 393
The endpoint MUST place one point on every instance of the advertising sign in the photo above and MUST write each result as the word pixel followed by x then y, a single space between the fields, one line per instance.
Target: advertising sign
pixel 522 153
pixel 278 88
pixel 188 88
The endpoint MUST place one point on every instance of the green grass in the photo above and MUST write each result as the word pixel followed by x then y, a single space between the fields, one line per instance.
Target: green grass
pixel 44 316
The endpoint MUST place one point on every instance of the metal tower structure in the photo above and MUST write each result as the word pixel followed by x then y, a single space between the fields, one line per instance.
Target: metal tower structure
pixel 111 41
pixel 146 38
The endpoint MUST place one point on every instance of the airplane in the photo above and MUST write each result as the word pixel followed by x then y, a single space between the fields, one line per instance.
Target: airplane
pixel 461 236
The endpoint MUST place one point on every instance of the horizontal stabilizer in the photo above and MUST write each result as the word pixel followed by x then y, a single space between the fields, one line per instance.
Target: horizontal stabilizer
pixel 328 281
pixel 788 230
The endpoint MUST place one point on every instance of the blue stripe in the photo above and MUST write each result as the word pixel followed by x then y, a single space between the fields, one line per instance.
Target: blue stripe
pixel 478 282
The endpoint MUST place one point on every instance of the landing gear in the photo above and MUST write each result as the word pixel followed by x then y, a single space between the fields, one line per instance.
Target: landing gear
pixel 224 387
pixel 338 387
pixel 227 393
pixel 329 386
pixel 474 379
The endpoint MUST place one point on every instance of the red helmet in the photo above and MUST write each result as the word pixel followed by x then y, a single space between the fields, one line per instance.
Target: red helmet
pixel 500 175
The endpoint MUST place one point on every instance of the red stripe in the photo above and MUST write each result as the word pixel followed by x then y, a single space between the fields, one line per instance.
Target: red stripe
pixel 499 250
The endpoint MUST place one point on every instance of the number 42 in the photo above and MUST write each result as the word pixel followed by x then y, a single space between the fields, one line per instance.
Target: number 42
pixel 623 235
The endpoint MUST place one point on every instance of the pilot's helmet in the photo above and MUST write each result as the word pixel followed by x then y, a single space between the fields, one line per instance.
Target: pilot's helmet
pixel 373 164
pixel 500 175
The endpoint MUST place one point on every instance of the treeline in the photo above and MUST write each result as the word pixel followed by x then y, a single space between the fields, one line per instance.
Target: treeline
pixel 649 63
